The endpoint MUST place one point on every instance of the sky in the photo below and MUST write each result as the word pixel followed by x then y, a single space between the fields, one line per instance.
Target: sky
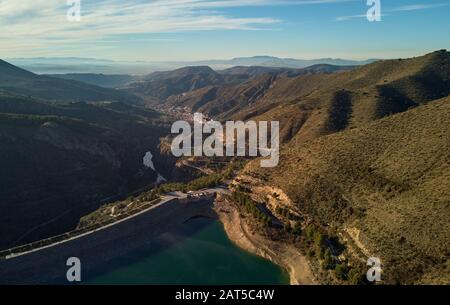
pixel 183 30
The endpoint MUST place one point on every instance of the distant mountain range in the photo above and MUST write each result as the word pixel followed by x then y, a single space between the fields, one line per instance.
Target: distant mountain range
pixel 19 81
pixel 64 65
pixel 270 61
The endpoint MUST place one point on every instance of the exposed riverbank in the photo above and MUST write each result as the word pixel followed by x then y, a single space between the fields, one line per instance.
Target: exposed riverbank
pixel 284 255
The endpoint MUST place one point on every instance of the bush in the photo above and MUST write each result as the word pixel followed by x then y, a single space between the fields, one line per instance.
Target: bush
pixel 287 228
pixel 341 271
pixel 328 261
pixel 318 239
pixel 297 228
pixel 309 232
pixel 355 276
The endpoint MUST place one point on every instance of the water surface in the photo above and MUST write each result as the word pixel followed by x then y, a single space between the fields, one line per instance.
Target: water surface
pixel 197 252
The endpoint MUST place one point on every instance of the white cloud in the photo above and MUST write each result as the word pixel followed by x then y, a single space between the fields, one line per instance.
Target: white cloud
pixel 346 18
pixel 417 7
pixel 33 26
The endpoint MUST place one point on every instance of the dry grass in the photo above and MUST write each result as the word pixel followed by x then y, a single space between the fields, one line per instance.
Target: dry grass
pixel 390 179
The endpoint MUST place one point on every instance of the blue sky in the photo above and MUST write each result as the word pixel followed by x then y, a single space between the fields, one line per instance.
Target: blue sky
pixel 220 29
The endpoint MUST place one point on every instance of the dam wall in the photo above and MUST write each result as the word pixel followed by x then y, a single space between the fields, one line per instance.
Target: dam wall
pixel 48 265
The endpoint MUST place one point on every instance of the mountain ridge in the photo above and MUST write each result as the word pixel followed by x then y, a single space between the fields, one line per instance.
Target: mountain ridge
pixel 139 67
pixel 19 81
pixel 381 188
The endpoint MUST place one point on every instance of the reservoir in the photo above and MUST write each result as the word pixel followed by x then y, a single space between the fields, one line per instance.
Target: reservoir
pixel 196 252
pixel 172 243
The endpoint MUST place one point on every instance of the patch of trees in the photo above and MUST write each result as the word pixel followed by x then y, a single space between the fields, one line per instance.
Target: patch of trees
pixel 250 206
pixel 243 189
pixel 194 185
pixel 287 214
pixel 321 245
pixel 295 229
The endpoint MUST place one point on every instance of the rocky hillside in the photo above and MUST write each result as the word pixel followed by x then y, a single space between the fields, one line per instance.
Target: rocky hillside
pixel 311 106
pixel 178 87
pixel 158 86
pixel 382 188
pixel 316 104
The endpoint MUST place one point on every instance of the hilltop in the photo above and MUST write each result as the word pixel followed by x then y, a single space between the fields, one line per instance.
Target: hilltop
pixel 161 88
pixel 226 99
pixel 316 104
pixel 160 85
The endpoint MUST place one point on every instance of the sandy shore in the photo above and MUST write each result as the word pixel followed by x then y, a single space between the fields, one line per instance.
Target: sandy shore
pixel 281 254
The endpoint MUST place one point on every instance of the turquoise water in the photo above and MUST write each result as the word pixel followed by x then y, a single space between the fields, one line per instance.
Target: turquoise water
pixel 199 252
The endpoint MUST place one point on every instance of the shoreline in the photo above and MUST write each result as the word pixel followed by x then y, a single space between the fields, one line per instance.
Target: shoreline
pixel 285 256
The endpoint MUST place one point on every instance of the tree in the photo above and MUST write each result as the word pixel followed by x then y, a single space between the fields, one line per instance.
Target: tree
pixel 297 228
pixel 309 232
pixel 318 239
pixel 287 228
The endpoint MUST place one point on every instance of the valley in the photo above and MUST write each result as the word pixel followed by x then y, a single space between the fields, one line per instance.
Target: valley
pixel 363 170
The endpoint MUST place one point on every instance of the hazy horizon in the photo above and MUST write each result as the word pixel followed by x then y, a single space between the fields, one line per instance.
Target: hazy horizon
pixel 199 60
pixel 201 30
